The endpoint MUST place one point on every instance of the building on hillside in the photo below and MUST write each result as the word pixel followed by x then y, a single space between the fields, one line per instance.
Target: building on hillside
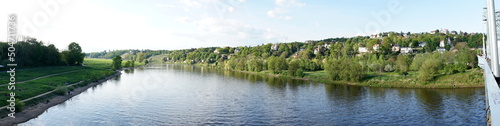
pixel 362 50
pixel 449 42
pixel 274 47
pixel 236 50
pixel 441 50
pixel 406 50
pixel 327 46
pixel 396 48
pixel 454 32
pixel 376 47
pixel 422 44
pixel 444 31
pixel 317 50
pixel 441 44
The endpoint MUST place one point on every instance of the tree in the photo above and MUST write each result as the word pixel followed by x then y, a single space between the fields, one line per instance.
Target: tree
pixel 335 50
pixel 344 69
pixel 140 57
pixel 74 55
pixel 403 63
pixel 429 69
pixel 117 63
pixel 293 66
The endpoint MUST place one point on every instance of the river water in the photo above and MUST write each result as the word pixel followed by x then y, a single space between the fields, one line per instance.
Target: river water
pixel 188 95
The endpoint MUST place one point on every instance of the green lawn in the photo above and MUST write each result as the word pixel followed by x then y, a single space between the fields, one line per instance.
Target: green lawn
pixel 94 69
pixel 470 78
pixel 28 74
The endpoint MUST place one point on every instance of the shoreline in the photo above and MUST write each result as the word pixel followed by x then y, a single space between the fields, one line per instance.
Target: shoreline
pixel 34 111
pixel 364 84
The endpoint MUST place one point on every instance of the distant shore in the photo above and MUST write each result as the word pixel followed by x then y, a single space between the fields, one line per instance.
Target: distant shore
pixel 445 81
pixel 34 111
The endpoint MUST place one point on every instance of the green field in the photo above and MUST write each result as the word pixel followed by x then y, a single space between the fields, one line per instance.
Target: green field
pixel 470 78
pixel 93 69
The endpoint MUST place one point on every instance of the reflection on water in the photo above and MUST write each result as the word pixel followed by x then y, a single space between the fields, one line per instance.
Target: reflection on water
pixel 189 95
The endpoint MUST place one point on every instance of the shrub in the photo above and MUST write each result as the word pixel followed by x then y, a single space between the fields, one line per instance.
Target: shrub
pixel 71 88
pixel 61 90
pixel 19 105
pixel 429 69
pixel 299 73
pixel 389 68
pixel 344 69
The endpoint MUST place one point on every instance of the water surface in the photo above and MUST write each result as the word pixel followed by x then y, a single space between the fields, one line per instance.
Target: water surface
pixel 187 95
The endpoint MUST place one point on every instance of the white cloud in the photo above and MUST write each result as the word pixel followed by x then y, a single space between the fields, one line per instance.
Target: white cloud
pixel 230 9
pixel 165 5
pixel 229 31
pixel 190 4
pixel 289 3
pixel 277 12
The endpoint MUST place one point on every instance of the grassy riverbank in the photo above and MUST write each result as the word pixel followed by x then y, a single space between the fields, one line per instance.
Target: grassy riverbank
pixel 467 79
pixel 46 79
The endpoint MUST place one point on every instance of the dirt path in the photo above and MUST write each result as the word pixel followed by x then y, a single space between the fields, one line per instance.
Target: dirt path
pixel 34 111
pixel 40 95
pixel 43 77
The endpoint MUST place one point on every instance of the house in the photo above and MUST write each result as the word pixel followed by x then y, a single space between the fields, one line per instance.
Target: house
pixel 449 42
pixel 441 50
pixel 274 47
pixel 301 49
pixel 444 31
pixel 406 50
pixel 236 50
pixel 441 44
pixel 373 36
pixel 454 32
pixel 406 35
pixel 362 50
pixel 317 50
pixel 216 51
pixel 326 46
pixel 433 32
pixel 422 44
pixel 396 48
pixel 375 47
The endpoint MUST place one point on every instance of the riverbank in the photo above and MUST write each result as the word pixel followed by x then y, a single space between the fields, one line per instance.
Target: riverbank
pixel 36 110
pixel 470 79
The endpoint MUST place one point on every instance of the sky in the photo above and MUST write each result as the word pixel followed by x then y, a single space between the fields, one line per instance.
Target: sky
pixel 99 25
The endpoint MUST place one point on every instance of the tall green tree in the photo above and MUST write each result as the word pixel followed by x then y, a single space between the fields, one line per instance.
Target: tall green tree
pixel 403 63
pixel 140 57
pixel 117 63
pixel 74 55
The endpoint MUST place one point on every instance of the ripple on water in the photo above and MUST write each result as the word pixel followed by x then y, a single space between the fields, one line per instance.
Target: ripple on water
pixel 185 96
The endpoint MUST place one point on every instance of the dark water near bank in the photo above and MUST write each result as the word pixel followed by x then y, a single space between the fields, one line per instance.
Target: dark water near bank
pixel 186 95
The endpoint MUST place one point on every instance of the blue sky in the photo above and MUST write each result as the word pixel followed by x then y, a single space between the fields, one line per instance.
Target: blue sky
pixel 178 24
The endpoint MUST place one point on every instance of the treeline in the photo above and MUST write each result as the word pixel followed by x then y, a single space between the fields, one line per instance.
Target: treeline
pixel 339 57
pixel 34 53
pixel 129 54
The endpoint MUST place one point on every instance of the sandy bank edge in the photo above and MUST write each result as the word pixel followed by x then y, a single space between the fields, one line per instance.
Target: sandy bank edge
pixel 40 108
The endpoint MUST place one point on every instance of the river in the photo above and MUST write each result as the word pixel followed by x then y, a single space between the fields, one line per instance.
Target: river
pixel 189 95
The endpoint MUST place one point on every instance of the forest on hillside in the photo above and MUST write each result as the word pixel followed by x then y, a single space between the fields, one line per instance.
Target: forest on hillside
pixel 431 54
